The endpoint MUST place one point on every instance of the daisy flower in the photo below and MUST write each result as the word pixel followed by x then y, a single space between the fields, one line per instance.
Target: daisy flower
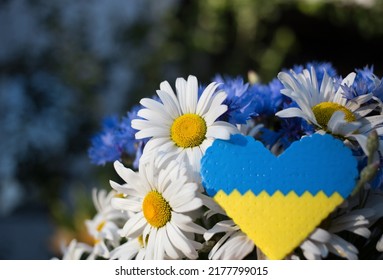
pixel 105 224
pixel 182 126
pixel 161 199
pixel 132 249
pixel 321 242
pixel 326 107
pixel 75 250
pixel 233 245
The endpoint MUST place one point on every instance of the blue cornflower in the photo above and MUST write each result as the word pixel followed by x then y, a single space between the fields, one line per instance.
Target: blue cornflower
pixel 104 147
pixel 365 82
pixel 293 129
pixel 267 98
pixel 126 136
pixel 288 131
pixel 319 67
pixel 117 140
pixel 239 99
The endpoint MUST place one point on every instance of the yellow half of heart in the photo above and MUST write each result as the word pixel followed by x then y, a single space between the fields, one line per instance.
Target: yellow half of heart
pixel 279 223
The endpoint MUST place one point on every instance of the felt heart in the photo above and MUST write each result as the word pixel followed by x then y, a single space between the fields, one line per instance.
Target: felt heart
pixel 279 201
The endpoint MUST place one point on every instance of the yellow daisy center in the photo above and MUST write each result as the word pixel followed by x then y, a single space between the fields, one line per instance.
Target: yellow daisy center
pixel 188 130
pixel 157 210
pixel 324 111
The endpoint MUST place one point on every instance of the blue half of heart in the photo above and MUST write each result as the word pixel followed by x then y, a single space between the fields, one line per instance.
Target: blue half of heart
pixel 315 163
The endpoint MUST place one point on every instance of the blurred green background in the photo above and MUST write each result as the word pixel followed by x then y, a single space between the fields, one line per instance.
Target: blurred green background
pixel 66 64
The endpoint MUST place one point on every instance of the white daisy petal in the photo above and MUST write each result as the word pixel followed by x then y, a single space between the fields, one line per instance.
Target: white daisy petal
pixel 139 124
pixel 216 101
pixel 237 247
pixel 181 86
pixel 155 106
pixel 170 103
pixel 342 248
pixel 365 110
pixel 134 226
pixel 206 144
pixel 123 188
pixel 170 100
pixel 126 251
pixel 339 96
pixel 339 126
pixel 362 140
pixel 126 174
pixel 371 122
pixel 315 88
pixel 185 223
pixel 151 245
pixel 168 152
pixel 291 113
pixel 354 103
pixel 204 102
pixel 170 250
pixel 179 240
pixel 178 195
pixel 145 234
pixel 159 244
pixel 215 253
pixel 327 88
pixel 191 94
pixel 97 197
pixel 152 132
pixel 221 130
pixel 320 235
pixel 164 176
pixel 126 204
pixel 141 254
pixel 194 158
pixel 289 82
pixel 213 114
pixel 311 247
pixel 187 207
pixel 156 118
pixel 153 144
pixel 362 231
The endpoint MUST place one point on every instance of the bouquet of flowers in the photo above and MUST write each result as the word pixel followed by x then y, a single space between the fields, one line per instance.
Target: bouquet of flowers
pixel 164 207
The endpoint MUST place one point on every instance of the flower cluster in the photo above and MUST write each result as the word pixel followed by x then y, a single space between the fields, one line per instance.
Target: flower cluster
pixel 160 210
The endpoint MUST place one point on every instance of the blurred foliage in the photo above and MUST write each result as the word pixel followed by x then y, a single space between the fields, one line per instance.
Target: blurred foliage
pixel 232 37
